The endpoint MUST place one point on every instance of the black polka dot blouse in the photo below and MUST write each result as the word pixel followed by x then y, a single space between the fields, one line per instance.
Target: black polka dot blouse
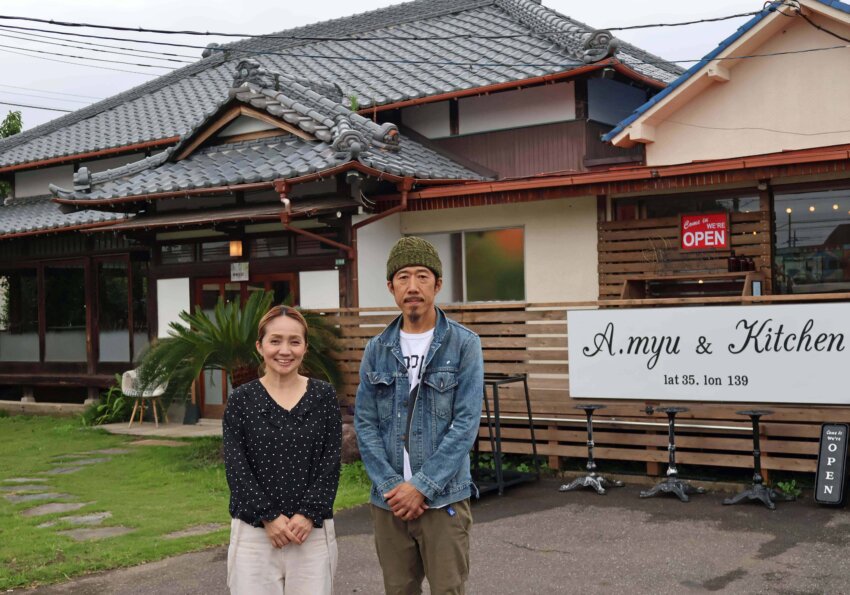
pixel 279 461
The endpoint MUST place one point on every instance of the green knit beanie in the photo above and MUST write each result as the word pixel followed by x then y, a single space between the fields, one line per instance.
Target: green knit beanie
pixel 412 251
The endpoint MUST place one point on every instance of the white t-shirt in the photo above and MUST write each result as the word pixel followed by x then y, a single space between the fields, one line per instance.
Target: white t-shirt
pixel 414 348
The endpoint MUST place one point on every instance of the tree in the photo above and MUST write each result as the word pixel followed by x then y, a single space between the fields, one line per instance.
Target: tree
pixel 11 124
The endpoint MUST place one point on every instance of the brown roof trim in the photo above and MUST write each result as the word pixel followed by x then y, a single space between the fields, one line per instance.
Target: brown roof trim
pixel 81 156
pixel 537 80
pixel 836 153
pixel 39 232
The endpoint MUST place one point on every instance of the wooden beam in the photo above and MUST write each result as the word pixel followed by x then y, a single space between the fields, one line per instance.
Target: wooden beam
pixel 231 114
pixel 642 133
pixel 718 73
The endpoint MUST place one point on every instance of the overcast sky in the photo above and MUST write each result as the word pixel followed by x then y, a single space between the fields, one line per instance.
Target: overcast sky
pixel 43 80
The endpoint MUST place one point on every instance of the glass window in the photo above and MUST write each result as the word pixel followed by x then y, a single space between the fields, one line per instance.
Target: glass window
pixel 480 266
pixel 270 247
pixel 113 308
pixel 177 253
pixel 306 246
pixel 19 316
pixel 65 311
pixel 215 251
pixel 812 251
pixel 494 265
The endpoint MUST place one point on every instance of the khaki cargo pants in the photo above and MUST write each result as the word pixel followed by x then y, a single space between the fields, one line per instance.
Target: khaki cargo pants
pixel 434 546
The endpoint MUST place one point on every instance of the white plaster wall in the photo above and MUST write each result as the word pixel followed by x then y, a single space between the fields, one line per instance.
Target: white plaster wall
pixel 172 297
pixel 373 246
pixel 318 289
pixel 65 345
pixel 114 346
pixel 769 104
pixel 560 242
pixel 35 182
pixel 19 347
pixel 429 119
pixel 244 125
pixel 443 243
pixel 99 165
pixel 513 109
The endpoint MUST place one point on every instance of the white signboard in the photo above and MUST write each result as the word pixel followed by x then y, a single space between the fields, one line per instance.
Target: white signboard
pixel 781 354
pixel 239 271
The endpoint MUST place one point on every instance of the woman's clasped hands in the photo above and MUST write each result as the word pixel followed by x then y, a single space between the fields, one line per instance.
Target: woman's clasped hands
pixel 285 530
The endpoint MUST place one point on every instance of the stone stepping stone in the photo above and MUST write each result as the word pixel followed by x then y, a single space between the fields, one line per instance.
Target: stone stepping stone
pixel 85 519
pixel 110 451
pixel 195 531
pixel 16 499
pixel 72 455
pixel 55 507
pixel 89 461
pixel 93 534
pixel 63 470
pixel 157 442
pixel 25 488
pixel 24 479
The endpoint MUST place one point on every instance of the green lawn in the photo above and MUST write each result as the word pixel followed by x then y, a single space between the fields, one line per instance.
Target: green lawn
pixel 154 489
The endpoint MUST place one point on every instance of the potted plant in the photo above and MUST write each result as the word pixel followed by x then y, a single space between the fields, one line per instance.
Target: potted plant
pixel 227 341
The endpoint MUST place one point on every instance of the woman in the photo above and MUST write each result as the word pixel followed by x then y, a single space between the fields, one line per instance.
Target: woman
pixel 282 437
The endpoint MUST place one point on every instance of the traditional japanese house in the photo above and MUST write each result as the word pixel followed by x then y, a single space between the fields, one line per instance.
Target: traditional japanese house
pixel 292 162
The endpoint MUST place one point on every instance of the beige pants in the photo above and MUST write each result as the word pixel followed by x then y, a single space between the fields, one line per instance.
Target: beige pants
pixel 256 567
pixel 436 546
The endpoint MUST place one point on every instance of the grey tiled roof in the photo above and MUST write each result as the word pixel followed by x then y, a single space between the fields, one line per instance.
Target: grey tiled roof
pixel 342 136
pixel 391 69
pixel 262 160
pixel 40 214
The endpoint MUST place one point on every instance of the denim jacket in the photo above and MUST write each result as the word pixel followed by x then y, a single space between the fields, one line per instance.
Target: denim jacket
pixel 445 420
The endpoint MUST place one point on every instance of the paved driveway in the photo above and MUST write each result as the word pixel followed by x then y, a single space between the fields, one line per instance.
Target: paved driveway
pixel 536 540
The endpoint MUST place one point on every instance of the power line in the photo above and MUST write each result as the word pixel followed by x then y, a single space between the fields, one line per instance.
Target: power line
pixel 52 92
pixel 683 23
pixel 79 64
pixel 86 58
pixel 349 38
pixel 51 109
pixel 93 49
pixel 44 97
pixel 758 129
pixel 106 37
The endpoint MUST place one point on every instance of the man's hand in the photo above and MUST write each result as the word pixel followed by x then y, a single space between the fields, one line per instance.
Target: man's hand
pixel 300 527
pixel 406 502
pixel 279 531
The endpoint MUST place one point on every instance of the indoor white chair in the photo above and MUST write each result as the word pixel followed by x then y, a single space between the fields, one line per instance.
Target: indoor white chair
pixel 129 386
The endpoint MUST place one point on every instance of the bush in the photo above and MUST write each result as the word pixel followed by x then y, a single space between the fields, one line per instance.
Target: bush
pixel 354 474
pixel 4 413
pixel 113 407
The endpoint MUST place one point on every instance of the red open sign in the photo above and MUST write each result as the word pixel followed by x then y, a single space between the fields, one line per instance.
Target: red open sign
pixel 704 232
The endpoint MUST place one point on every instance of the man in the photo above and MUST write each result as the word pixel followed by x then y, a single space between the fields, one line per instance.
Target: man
pixel 416 417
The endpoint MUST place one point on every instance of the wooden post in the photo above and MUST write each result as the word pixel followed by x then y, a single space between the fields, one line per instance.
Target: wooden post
pixel 554 460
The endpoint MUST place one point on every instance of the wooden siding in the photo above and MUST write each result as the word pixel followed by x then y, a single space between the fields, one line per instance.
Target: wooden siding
pixel 532 339
pixel 650 247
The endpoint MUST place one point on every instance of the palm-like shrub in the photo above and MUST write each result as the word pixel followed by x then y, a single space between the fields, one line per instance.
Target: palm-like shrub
pixel 227 341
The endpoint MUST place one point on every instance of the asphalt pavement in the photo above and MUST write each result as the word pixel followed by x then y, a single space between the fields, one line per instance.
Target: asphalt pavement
pixel 537 540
